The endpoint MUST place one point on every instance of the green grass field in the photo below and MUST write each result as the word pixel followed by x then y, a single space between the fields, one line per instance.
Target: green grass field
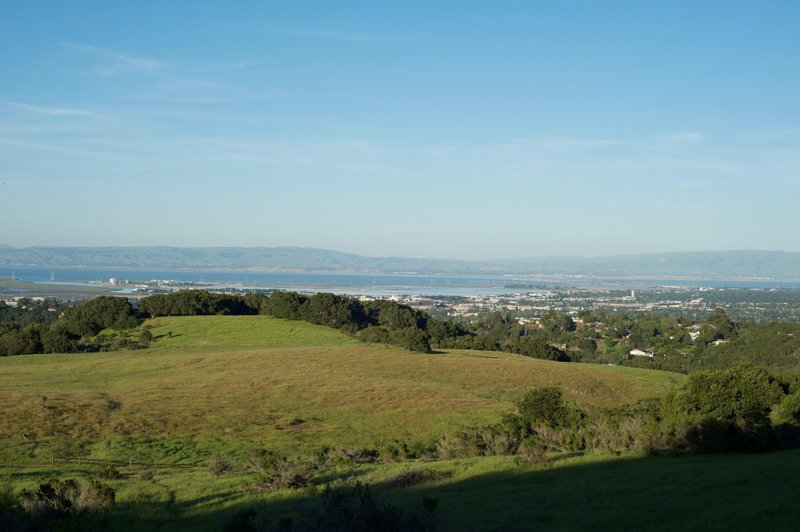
pixel 224 386
pixel 594 492
pixel 228 385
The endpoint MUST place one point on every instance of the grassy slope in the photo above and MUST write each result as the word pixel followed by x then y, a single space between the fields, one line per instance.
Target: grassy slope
pixel 230 384
pixel 226 384
pixel 595 492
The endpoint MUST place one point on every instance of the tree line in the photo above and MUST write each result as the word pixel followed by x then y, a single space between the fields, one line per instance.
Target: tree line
pixel 77 328
pixel 677 343
pixel 371 321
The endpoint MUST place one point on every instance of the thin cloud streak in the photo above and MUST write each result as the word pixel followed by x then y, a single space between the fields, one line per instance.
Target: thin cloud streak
pixel 557 142
pixel 118 63
pixel 49 111
pixel 294 31
pixel 699 183
pixel 151 79
pixel 43 147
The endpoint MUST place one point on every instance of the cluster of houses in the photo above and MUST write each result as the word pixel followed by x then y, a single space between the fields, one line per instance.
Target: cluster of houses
pixel 14 301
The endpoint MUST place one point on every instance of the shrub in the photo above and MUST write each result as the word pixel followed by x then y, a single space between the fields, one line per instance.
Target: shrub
pixel 146 337
pixel 374 334
pixel 219 466
pixel 742 394
pixel 356 507
pixel 546 406
pixel 710 435
pixel 539 348
pixel 531 453
pixel 411 338
pixel 788 410
pixel 415 477
pixel 68 498
pixel 452 446
pixel 108 472
pixel 400 450
pixel 276 472
pixel 480 441
pixel 730 411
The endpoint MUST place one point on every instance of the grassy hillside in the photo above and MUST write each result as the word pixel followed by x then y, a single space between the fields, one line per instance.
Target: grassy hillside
pixel 228 384
pixel 594 492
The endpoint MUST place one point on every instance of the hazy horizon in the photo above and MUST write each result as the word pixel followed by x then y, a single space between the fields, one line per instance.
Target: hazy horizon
pixel 448 130
pixel 455 258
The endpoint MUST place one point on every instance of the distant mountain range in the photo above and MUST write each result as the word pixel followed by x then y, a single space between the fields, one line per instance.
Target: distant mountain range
pixel 775 265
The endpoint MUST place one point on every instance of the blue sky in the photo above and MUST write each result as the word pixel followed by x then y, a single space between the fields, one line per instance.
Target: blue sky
pixel 425 129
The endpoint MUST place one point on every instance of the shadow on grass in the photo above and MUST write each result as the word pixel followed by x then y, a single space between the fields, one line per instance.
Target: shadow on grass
pixel 167 335
pixel 721 492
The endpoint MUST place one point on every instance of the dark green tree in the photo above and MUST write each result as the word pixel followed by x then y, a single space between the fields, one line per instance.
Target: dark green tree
pixel 284 305
pixel 534 347
pixel 546 406
pixel 411 338
pixel 24 341
pixel 59 340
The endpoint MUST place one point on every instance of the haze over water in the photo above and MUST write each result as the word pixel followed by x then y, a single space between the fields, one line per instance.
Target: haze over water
pixel 359 284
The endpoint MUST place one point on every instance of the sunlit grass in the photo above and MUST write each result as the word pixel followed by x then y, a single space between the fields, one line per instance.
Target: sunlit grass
pixel 225 386
pixel 231 384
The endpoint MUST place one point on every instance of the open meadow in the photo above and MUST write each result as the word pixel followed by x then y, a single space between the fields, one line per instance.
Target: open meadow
pixel 229 384
pixel 216 389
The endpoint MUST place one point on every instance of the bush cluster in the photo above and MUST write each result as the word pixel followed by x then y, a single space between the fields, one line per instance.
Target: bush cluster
pixel 74 330
pixel 742 409
pixel 56 504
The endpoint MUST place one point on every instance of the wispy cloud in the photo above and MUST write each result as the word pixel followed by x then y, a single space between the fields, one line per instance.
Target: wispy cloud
pixel 683 137
pixel 558 142
pixel 233 65
pixel 48 111
pixel 789 136
pixel 696 183
pixel 40 146
pixel 315 33
pixel 112 63
pixel 151 79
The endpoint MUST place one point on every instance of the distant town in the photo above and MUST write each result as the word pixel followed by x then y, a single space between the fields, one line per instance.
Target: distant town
pixel 757 304
pixel 761 305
